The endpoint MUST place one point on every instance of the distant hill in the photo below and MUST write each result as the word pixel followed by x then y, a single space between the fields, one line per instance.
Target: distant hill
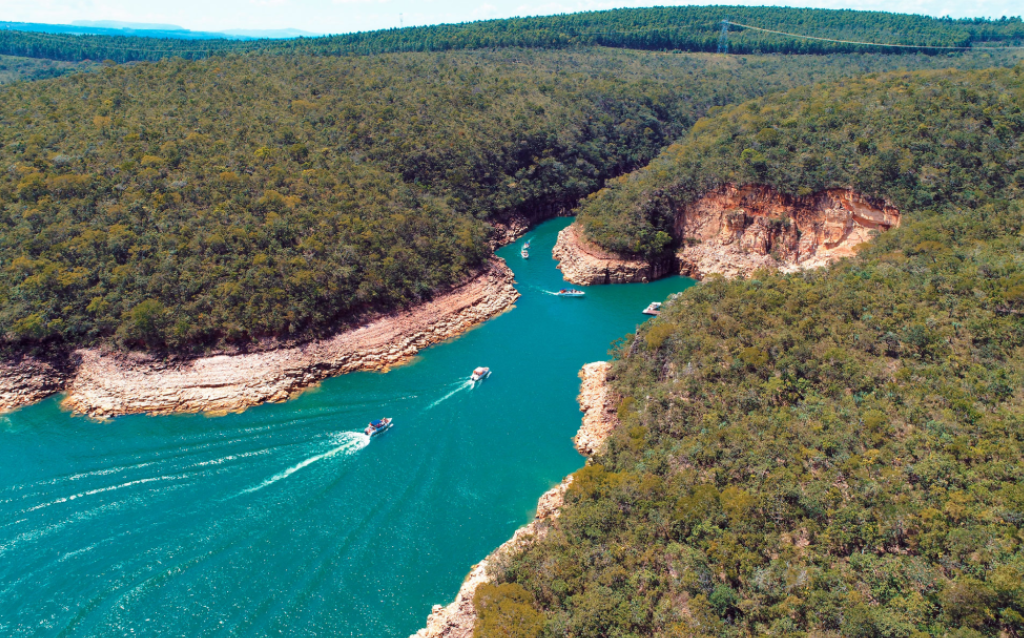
pixel 652 29
pixel 147 30
pixel 270 33
pixel 117 24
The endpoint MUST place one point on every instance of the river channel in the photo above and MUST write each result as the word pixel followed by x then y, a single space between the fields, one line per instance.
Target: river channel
pixel 284 520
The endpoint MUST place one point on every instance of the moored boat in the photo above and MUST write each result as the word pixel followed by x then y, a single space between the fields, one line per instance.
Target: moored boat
pixel 376 427
pixel 653 309
pixel 570 292
pixel 480 373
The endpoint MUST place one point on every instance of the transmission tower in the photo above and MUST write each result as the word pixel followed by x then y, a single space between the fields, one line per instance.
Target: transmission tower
pixel 723 38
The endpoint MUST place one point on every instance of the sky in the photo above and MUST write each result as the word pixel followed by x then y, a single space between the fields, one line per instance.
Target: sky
pixel 344 16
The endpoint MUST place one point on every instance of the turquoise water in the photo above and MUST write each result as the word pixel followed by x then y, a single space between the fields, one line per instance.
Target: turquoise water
pixel 284 520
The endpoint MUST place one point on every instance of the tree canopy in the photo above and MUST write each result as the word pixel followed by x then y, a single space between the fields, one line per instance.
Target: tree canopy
pixel 834 452
pixel 654 28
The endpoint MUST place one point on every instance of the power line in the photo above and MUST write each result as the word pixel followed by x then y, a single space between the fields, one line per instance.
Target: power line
pixel 872 44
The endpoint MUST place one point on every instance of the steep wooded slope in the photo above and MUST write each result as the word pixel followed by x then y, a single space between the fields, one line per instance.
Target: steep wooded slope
pixel 831 453
pixel 184 205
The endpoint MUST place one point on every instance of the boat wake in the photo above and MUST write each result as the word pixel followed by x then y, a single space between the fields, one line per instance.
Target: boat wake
pixel 347 443
pixel 462 385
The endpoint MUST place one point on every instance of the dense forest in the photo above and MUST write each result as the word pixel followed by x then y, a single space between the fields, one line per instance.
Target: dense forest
pixel 949 147
pixel 187 205
pixel 831 453
pixel 659 28
pixel 15 69
pixel 273 196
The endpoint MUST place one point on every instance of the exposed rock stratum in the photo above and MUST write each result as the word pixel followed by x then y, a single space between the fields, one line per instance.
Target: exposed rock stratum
pixel 737 230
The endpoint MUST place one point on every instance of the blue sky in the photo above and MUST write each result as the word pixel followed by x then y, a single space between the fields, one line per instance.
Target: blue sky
pixel 340 16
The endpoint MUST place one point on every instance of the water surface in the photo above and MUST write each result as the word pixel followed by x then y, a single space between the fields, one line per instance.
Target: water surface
pixel 285 520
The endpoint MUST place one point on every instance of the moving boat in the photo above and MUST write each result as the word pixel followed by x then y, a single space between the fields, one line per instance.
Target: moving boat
pixel 525 253
pixel 570 292
pixel 480 373
pixel 376 427
pixel 653 309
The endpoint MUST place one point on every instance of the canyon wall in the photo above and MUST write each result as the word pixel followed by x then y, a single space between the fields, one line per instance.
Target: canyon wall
pixel 736 230
pixel 29 379
pixel 105 384
pixel 584 264
pixel 597 403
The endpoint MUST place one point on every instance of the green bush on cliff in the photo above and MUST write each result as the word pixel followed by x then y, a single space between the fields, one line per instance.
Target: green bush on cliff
pixel 924 139
pixel 830 453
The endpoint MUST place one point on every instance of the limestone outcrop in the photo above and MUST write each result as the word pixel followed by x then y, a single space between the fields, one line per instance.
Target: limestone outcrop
pixel 29 380
pixel 584 264
pixel 458 619
pixel 106 384
pixel 598 407
pixel 737 230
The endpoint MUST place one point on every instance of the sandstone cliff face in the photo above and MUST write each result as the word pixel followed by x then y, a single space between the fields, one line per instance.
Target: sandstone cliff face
pixel 585 264
pixel 29 380
pixel 458 619
pixel 736 230
pixel 116 384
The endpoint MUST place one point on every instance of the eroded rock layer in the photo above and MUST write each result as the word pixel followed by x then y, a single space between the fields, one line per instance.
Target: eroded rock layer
pixel 737 230
pixel 458 619
pixel 584 264
pixel 29 380
pixel 114 384
pixel 734 231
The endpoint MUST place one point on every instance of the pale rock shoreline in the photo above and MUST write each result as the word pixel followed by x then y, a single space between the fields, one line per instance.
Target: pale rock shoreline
pixel 110 384
pixel 598 405
pixel 584 264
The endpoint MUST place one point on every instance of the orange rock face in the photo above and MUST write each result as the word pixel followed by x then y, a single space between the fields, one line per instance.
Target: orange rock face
pixel 739 229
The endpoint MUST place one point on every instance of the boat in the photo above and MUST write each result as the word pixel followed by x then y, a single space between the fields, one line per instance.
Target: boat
pixel 570 292
pixel 653 309
pixel 376 427
pixel 525 253
pixel 480 373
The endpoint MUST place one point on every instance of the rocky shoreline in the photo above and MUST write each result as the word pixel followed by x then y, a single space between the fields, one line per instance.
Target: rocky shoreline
pixel 735 231
pixel 106 384
pixel 584 264
pixel 598 405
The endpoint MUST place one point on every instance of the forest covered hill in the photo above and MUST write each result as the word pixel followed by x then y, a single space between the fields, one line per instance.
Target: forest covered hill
pixel 830 453
pixel 183 205
pixel 656 28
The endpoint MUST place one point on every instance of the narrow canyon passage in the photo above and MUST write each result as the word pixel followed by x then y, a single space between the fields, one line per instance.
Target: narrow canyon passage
pixel 284 519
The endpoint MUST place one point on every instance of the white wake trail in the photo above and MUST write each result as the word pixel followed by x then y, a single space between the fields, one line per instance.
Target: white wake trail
pixel 465 385
pixel 351 442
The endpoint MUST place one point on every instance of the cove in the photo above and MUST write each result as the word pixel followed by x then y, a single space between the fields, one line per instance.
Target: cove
pixel 285 520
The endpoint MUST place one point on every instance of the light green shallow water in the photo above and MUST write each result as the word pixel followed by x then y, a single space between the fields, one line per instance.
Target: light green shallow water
pixel 284 520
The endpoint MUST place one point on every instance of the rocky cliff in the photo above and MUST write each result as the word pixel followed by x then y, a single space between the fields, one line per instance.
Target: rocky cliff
pixel 597 403
pixel 584 264
pixel 737 230
pixel 108 384
pixel 29 380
